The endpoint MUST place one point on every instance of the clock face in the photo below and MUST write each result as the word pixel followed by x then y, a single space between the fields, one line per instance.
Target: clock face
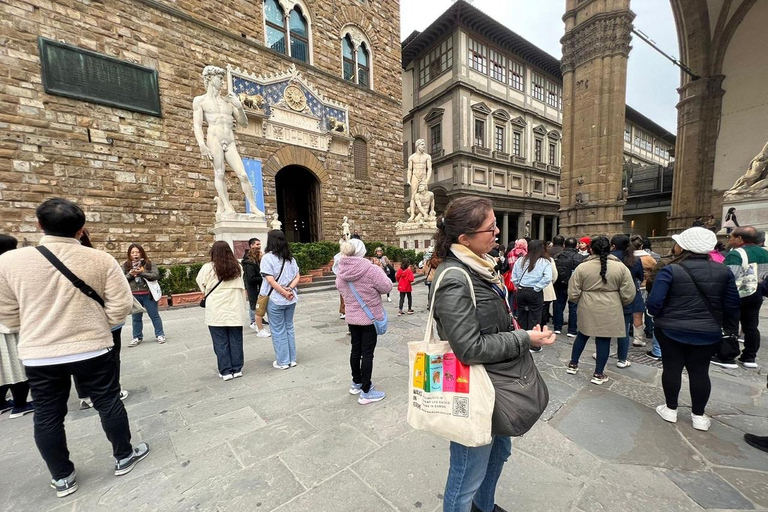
pixel 295 98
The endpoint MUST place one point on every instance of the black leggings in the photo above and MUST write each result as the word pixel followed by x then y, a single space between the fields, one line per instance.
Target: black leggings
pixel 361 354
pixel 403 295
pixel 695 359
pixel 530 307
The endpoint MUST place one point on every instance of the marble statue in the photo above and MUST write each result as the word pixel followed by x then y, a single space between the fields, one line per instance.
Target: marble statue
pixel 424 200
pixel 345 233
pixel 755 180
pixel 221 113
pixel 527 228
pixel 274 223
pixel 419 171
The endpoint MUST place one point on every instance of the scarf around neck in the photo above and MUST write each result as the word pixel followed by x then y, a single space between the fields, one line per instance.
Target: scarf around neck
pixel 484 267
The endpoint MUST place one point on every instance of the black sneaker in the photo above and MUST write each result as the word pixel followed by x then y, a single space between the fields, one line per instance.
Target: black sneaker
pixel 124 466
pixel 7 406
pixel 759 442
pixel 65 486
pixel 724 363
pixel 654 357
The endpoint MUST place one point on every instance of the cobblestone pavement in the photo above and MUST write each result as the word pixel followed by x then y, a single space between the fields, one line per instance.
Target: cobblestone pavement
pixel 296 440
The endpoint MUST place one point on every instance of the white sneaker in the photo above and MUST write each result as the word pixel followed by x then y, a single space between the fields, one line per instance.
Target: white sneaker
pixel 623 364
pixel 161 339
pixel 571 335
pixel 237 375
pixel 134 342
pixel 701 422
pixel 263 334
pixel 279 366
pixel 253 326
pixel 124 394
pixel 557 332
pixel 293 364
pixel 226 377
pixel 342 315
pixel 667 414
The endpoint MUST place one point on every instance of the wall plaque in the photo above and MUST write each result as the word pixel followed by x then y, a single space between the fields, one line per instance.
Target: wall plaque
pixel 85 75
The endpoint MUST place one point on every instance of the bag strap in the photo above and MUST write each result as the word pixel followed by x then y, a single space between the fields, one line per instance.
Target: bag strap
pixel 431 317
pixel 718 318
pixel 272 288
pixel 744 259
pixel 360 301
pixel 210 292
pixel 79 283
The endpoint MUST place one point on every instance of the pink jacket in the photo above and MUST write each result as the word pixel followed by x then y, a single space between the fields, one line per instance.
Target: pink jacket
pixel 370 282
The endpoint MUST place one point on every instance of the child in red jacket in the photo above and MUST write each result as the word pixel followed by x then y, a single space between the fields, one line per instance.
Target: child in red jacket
pixel 404 278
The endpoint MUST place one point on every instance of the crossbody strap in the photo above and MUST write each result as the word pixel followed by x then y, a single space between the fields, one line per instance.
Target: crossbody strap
pixel 272 288
pixel 718 318
pixel 79 283
pixel 431 316
pixel 210 292
pixel 360 301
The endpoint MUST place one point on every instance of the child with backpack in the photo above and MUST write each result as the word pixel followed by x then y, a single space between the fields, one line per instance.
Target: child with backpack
pixel 404 278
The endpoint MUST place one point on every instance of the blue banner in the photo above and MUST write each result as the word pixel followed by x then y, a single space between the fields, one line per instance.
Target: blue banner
pixel 253 170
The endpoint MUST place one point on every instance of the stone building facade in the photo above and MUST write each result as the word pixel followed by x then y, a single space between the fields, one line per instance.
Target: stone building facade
pixel 141 178
pixel 489 105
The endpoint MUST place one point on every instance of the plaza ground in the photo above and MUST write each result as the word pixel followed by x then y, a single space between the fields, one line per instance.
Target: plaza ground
pixel 296 440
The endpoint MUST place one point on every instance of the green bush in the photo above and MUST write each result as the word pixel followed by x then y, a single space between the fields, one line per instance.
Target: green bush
pixel 394 253
pixel 313 255
pixel 179 278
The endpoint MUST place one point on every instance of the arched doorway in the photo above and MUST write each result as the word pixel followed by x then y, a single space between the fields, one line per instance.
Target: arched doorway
pixel 298 203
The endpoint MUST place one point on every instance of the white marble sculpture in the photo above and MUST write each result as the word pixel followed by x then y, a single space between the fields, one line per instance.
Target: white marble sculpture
pixel 221 114
pixel 424 200
pixel 275 223
pixel 755 181
pixel 419 171
pixel 345 233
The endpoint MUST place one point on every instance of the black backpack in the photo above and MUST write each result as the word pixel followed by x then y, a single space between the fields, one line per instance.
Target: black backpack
pixel 565 263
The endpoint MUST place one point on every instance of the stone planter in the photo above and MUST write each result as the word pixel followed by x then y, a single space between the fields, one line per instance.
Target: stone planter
pixel 316 273
pixel 305 279
pixel 163 302
pixel 186 299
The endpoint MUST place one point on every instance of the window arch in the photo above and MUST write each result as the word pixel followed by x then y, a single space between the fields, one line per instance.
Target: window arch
pixel 288 34
pixel 360 155
pixel 356 58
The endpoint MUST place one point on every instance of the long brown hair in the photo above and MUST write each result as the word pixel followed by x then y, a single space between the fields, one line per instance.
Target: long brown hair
pixel 224 263
pixel 254 254
pixel 129 263
pixel 463 216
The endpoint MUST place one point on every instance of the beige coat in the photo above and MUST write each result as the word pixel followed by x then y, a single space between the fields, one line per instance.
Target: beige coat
pixel 53 317
pixel 225 307
pixel 601 305
pixel 549 290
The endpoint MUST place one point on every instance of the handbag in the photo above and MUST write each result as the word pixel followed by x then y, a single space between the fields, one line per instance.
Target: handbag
pixel 263 300
pixel 380 325
pixel 137 307
pixel 202 302
pixel 729 224
pixel 746 280
pixel 154 289
pixel 446 397
pixel 729 343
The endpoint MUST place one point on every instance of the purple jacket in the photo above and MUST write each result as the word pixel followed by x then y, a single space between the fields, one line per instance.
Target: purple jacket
pixel 370 282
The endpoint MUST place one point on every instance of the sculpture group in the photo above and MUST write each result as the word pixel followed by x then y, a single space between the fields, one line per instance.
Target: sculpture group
pixel 422 205
pixel 755 181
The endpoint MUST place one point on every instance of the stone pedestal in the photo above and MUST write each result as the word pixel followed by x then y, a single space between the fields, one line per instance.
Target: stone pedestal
pixel 415 235
pixel 750 211
pixel 237 228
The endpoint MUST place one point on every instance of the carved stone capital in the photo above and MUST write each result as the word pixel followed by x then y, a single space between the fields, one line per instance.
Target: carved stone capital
pixel 603 35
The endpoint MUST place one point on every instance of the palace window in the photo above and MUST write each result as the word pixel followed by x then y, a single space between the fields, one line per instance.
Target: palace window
pixel 516 146
pixel 363 66
pixel 437 61
pixel 360 154
pixel 537 150
pixel 499 139
pixel 435 139
pixel 498 66
pixel 627 132
pixel 516 75
pixel 554 95
pixel 355 63
pixel 479 133
pixel 296 30
pixel 552 153
pixel 348 54
pixel 478 56
pixel 537 88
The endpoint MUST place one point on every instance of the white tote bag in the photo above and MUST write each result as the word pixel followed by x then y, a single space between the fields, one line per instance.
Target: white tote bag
pixel 154 289
pixel 446 397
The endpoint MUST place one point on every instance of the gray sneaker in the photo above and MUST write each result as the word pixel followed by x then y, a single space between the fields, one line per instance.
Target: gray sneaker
pixel 125 465
pixel 65 486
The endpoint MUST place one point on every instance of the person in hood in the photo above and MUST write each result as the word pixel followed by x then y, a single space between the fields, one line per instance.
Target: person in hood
pixel 361 282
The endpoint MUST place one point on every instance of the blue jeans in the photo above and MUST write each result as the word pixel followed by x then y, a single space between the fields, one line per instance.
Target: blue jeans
pixel 561 300
pixel 656 348
pixel 624 342
pixel 648 325
pixel 150 305
pixel 283 337
pixel 228 347
pixel 603 350
pixel 252 314
pixel 473 473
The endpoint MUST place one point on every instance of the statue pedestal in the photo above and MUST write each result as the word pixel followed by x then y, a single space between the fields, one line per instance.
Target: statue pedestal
pixel 237 228
pixel 416 235
pixel 750 210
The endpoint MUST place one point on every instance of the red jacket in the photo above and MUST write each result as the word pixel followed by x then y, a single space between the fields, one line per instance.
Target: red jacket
pixel 404 280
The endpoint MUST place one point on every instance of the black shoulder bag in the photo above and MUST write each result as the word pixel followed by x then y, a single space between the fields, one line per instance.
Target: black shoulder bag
pixel 79 283
pixel 202 302
pixel 729 344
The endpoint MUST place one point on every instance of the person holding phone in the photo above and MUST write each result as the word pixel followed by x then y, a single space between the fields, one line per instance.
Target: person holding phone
pixel 138 270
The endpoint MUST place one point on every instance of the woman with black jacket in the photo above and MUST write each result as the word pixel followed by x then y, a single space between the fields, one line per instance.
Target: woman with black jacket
pixel 688 300
pixel 252 279
pixel 478 334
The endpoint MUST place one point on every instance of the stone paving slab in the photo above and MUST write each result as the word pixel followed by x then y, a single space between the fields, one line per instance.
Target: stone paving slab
pixel 296 440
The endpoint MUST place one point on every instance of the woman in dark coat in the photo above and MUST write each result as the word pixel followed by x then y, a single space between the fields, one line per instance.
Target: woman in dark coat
pixel 252 279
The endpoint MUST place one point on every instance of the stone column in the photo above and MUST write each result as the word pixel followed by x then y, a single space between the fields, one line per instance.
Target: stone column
pixel 542 227
pixel 554 226
pixel 595 52
pixel 505 229
pixel 698 122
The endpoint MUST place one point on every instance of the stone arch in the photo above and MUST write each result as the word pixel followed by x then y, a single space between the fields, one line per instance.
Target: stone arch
pixel 295 155
pixel 355 15
pixel 361 131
